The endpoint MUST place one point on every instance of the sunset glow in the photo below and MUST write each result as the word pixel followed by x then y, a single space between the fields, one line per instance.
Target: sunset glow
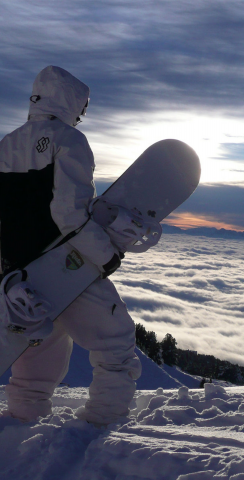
pixel 188 220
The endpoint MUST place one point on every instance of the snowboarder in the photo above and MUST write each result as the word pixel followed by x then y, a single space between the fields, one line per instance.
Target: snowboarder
pixel 46 185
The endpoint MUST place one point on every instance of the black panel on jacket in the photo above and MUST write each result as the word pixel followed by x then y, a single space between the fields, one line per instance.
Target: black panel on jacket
pixel 27 227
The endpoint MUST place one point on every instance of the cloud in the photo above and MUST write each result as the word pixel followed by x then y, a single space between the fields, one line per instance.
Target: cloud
pixel 215 199
pixel 161 55
pixel 191 287
pixel 232 151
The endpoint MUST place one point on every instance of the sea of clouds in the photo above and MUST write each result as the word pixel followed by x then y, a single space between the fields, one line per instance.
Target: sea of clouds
pixel 191 288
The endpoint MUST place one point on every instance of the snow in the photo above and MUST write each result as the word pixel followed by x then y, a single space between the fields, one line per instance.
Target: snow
pixel 80 373
pixel 152 375
pixel 175 432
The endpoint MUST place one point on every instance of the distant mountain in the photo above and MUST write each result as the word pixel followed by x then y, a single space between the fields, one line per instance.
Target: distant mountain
pixel 204 232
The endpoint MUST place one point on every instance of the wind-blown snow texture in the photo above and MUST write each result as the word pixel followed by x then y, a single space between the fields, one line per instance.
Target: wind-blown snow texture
pixel 178 435
pixel 173 434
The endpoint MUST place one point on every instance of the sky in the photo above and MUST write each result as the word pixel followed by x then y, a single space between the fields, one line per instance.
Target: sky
pixel 157 69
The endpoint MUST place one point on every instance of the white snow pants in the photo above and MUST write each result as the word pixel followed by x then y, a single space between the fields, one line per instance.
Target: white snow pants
pixel 99 322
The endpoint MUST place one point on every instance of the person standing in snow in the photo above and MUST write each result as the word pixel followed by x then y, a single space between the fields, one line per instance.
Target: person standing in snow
pixel 46 177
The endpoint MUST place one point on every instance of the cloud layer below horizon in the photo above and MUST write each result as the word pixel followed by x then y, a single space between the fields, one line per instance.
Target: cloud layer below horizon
pixel 191 288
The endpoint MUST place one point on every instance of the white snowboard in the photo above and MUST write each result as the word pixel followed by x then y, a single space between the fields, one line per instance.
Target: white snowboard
pixel 160 180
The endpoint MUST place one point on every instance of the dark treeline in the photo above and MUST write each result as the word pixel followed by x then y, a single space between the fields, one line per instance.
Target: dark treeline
pixel 206 366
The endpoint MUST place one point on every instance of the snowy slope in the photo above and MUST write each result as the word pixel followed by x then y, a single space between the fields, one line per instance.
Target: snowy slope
pixel 178 435
pixel 80 373
pixel 173 434
pixel 154 376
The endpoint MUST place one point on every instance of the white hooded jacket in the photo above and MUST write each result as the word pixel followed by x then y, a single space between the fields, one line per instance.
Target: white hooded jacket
pixel 46 176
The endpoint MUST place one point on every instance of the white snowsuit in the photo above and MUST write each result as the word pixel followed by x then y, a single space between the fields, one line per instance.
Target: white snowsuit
pixel 46 171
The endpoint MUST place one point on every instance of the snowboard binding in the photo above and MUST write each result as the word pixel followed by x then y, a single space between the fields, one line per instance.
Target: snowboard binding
pixel 28 309
pixel 126 227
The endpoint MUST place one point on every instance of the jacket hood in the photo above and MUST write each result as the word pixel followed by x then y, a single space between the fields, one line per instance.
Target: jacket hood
pixel 56 92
